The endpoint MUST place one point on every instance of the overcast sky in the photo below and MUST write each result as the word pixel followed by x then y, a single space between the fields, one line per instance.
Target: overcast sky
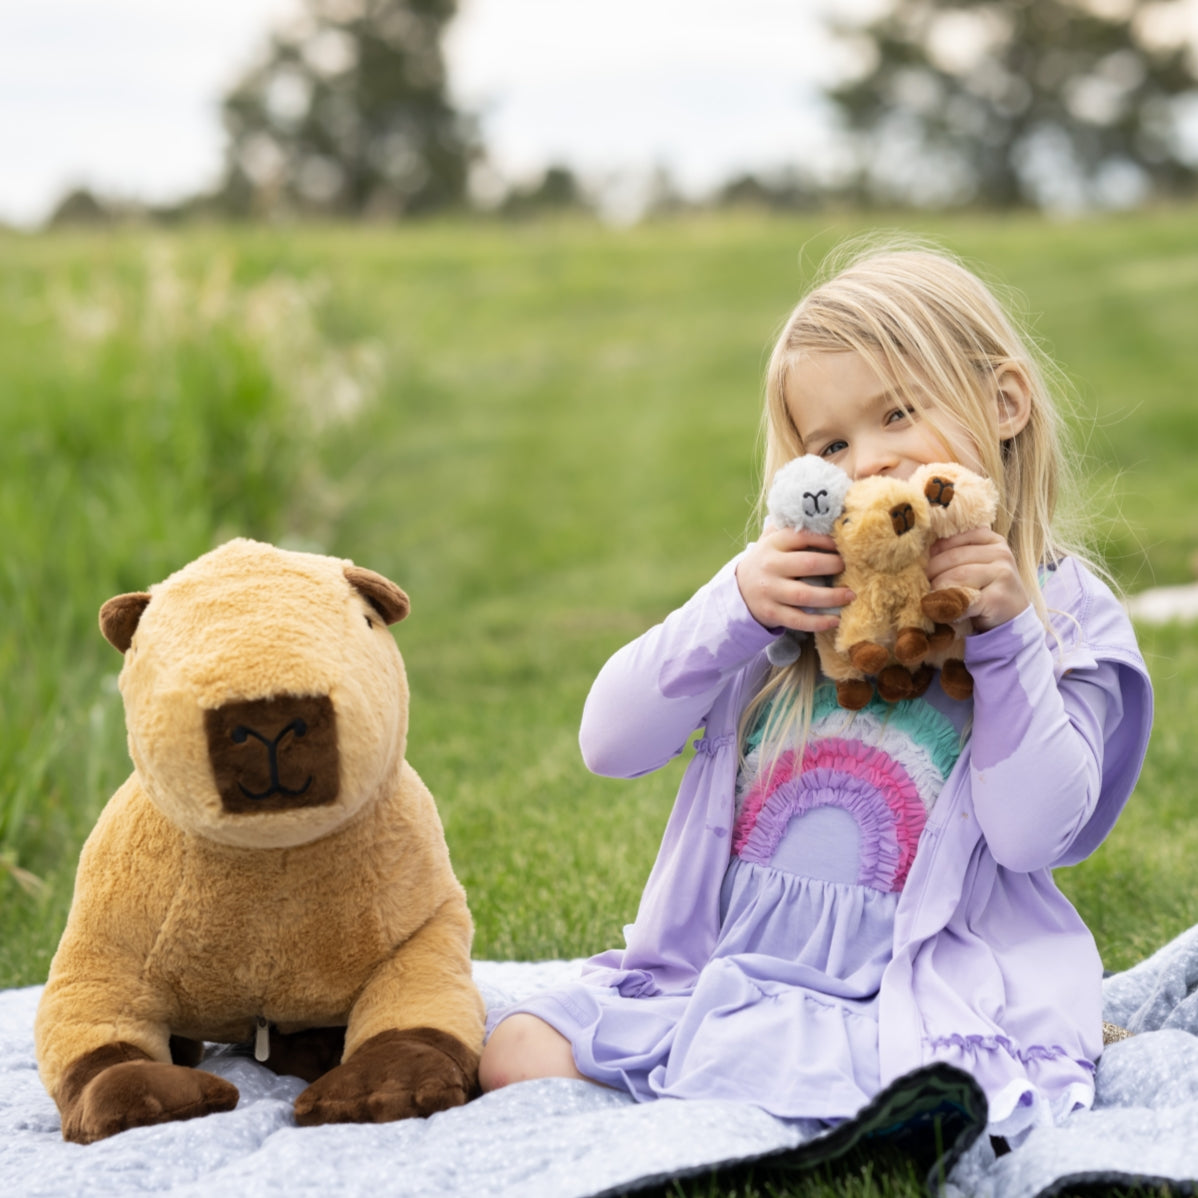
pixel 123 95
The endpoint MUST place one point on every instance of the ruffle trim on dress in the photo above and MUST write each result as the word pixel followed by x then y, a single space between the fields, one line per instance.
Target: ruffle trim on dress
pixel 638 983
pixel 1025 1056
pixel 630 983
pixel 847 775
pixel 1020 1108
pixel 915 734
pixel 912 721
pixel 710 745
pixel 880 855
pixel 1026 1088
pixel 888 777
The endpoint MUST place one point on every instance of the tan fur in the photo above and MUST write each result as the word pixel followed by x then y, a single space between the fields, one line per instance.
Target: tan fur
pixel 958 500
pixel 884 626
pixel 193 920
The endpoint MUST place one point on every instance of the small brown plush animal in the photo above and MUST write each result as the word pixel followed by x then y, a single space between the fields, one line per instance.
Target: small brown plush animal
pixel 883 536
pixel 273 870
pixel 958 499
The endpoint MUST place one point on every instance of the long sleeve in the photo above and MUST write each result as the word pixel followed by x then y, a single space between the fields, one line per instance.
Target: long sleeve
pixel 994 971
pixel 1055 728
pixel 653 693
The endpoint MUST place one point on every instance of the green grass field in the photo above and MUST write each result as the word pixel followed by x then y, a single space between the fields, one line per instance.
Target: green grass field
pixel 547 435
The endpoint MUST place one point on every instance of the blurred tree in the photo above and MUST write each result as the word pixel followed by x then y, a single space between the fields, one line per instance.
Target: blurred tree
pixel 347 114
pixel 80 206
pixel 1059 103
pixel 557 190
pixel 785 191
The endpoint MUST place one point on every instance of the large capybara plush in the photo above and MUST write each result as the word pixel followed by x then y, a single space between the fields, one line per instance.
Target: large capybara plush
pixel 273 872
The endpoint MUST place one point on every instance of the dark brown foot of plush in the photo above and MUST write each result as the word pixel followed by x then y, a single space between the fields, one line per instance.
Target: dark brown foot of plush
pixel 911 646
pixel 956 679
pixel 868 657
pixel 895 683
pixel 853 693
pixel 947 605
pixel 940 637
pixel 921 679
pixel 394 1075
pixel 119 1086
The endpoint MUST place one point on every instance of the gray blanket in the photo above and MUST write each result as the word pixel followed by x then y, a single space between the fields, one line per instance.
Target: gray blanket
pixel 557 1139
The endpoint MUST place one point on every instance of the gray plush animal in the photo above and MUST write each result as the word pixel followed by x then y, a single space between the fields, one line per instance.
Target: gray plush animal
pixel 807 493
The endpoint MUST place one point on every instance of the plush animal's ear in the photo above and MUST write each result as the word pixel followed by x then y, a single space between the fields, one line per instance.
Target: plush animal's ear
pixel 381 593
pixel 120 616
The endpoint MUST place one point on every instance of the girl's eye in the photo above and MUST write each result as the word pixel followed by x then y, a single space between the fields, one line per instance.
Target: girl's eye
pixel 833 448
pixel 898 414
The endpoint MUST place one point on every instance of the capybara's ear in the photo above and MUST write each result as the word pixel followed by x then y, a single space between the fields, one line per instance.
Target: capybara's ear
pixel 381 593
pixel 119 618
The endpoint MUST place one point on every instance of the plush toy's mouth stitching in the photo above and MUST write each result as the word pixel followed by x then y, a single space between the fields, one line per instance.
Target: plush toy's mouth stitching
pixel 815 503
pixel 241 733
pixel 274 754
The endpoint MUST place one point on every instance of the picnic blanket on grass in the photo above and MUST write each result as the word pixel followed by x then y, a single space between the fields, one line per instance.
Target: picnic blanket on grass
pixel 560 1139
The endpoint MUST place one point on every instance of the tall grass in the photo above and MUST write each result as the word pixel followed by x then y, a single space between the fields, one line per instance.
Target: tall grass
pixel 150 406
pixel 547 435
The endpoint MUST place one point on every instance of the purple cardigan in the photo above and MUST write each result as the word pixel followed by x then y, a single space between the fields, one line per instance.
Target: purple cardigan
pixel 983 937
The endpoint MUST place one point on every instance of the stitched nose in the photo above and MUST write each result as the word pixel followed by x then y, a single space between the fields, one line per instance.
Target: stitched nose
pixel 939 491
pixel 902 518
pixel 274 754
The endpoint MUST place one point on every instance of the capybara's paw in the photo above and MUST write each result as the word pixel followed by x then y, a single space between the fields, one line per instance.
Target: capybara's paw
pixel 119 1086
pixel 940 638
pixel 854 693
pixel 921 679
pixel 868 656
pixel 394 1075
pixel 956 680
pixel 911 646
pixel 946 605
pixel 895 683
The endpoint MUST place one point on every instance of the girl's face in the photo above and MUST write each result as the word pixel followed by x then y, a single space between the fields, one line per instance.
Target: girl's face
pixel 849 414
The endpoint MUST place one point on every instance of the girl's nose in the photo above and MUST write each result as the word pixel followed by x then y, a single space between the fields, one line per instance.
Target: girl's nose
pixel 869 459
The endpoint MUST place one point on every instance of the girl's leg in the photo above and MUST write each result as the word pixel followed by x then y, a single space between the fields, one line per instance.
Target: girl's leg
pixel 523 1047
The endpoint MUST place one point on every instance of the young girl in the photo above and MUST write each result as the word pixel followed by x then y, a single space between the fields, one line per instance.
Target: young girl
pixel 841 897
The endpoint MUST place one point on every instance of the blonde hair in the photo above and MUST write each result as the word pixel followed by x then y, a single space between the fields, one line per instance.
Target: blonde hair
pixel 931 326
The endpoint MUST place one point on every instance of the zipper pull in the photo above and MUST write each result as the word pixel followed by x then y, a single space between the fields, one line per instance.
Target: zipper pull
pixel 261 1039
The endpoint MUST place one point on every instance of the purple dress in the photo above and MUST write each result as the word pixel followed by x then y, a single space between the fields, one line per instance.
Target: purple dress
pixel 784 1014
pixel 988 966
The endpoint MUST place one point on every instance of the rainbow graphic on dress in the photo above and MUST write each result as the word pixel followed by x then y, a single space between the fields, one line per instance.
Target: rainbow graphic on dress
pixel 885 765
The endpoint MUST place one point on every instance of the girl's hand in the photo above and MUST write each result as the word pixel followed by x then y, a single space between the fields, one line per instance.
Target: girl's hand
pixel 981 559
pixel 773 579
